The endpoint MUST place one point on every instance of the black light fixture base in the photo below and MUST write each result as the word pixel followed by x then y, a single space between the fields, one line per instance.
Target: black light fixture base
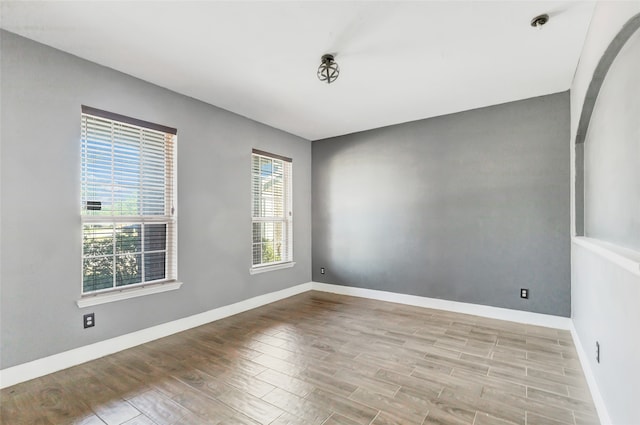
pixel 540 20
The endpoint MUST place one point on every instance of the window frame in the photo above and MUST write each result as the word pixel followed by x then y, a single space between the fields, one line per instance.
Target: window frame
pixel 169 218
pixel 287 220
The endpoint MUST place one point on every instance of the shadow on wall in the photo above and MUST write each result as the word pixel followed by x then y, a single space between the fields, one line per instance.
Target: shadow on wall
pixel 607 195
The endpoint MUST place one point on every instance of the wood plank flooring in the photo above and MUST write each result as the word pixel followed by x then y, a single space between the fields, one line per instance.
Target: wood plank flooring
pixel 323 359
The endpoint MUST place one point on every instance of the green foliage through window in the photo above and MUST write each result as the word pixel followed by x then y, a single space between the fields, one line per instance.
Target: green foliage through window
pixel 128 193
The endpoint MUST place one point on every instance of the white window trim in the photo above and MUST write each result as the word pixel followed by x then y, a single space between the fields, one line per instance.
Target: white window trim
pixel 126 293
pixel 288 221
pixel 271 267
pixel 144 288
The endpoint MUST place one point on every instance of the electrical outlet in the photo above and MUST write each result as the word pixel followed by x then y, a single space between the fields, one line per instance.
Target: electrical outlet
pixel 89 320
pixel 524 293
pixel 321 270
pixel 597 351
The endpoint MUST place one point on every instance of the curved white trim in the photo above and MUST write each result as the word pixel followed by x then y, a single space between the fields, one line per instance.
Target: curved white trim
pixel 126 293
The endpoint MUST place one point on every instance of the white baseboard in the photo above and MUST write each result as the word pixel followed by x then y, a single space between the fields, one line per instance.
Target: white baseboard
pixel 40 367
pixel 26 371
pixel 518 316
pixel 603 413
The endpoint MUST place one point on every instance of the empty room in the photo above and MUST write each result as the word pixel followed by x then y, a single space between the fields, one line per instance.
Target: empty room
pixel 320 212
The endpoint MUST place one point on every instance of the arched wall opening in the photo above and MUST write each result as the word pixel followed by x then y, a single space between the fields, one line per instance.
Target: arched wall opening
pixel 607 145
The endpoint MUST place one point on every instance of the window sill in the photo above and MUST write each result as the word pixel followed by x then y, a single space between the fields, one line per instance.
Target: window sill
pixel 624 257
pixel 262 269
pixel 123 294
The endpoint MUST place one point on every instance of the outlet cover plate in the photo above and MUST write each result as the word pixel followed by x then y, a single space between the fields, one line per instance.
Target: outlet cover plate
pixel 89 320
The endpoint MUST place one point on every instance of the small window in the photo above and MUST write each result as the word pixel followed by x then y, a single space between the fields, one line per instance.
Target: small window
pixel 128 202
pixel 271 209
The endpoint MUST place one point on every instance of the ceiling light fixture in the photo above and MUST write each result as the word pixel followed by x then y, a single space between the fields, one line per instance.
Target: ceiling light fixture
pixel 539 21
pixel 328 70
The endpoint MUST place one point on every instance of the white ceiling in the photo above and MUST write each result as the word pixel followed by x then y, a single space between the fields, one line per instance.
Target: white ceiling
pixel 399 61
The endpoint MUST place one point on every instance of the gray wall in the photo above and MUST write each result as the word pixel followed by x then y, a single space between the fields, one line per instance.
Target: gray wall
pixel 612 154
pixel 42 90
pixel 467 207
pixel 605 295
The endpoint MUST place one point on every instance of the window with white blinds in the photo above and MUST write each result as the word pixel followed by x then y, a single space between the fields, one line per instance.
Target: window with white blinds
pixel 271 184
pixel 128 202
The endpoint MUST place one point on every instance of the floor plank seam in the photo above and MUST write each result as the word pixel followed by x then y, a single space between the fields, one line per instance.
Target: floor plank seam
pixel 350 360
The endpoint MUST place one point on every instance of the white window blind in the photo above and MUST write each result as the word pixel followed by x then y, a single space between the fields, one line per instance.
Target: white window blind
pixel 128 202
pixel 271 209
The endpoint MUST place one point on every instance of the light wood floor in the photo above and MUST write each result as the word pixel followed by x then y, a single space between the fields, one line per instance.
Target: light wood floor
pixel 323 359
